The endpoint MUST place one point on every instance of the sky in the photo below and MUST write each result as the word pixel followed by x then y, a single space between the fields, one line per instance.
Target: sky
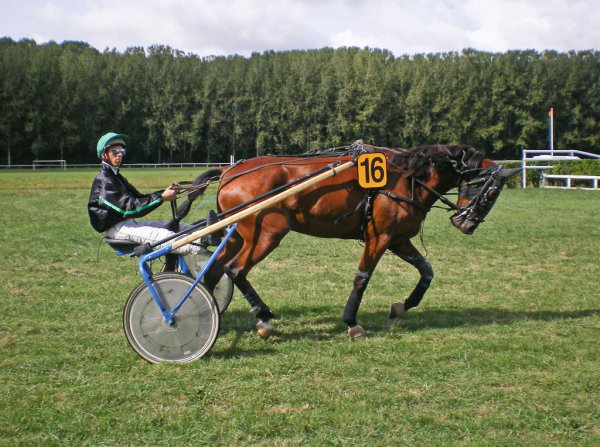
pixel 227 27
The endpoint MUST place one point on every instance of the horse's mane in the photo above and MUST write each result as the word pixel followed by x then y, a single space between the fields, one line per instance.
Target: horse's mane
pixel 419 160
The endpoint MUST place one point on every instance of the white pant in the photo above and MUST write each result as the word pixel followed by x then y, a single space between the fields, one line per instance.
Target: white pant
pixel 150 231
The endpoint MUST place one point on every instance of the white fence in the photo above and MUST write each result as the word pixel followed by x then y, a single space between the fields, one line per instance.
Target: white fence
pixel 37 166
pixel 49 164
pixel 591 181
pixel 547 156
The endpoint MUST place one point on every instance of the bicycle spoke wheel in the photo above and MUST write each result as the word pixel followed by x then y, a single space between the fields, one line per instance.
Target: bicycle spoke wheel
pixel 195 327
pixel 223 291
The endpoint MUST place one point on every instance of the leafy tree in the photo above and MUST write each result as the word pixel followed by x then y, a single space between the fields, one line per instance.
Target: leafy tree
pixel 57 99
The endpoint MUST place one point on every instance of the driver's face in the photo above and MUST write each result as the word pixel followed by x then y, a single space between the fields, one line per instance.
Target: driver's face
pixel 115 155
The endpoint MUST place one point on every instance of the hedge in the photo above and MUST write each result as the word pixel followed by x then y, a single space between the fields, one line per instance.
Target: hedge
pixel 575 167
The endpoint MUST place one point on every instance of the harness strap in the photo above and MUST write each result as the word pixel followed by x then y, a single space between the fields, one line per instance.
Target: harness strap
pixel 443 199
pixel 366 202
pixel 398 198
pixel 367 212
pixel 359 205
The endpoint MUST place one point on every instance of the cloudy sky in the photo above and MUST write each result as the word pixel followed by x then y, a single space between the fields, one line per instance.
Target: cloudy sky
pixel 224 27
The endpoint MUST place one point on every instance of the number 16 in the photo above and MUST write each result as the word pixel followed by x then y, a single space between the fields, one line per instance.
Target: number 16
pixel 372 170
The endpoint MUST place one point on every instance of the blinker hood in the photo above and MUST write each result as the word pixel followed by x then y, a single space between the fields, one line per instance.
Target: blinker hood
pixel 482 194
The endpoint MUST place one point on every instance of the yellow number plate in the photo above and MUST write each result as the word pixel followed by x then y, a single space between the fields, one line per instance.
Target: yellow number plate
pixel 372 170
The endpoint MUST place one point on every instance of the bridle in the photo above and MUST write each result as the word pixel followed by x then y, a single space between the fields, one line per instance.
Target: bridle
pixel 462 170
pixel 482 193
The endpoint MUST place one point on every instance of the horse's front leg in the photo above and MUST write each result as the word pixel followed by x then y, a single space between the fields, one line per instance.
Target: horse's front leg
pixel 407 251
pixel 372 252
pixel 361 280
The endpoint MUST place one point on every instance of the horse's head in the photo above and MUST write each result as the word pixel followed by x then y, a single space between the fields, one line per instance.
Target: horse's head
pixel 479 180
pixel 478 193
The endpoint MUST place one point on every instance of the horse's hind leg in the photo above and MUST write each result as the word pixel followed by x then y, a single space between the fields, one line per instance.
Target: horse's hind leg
pixel 214 275
pixel 226 264
pixel 407 251
pixel 256 246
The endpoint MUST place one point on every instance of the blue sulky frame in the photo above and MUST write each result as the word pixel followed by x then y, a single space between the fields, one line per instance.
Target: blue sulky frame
pixel 146 273
pixel 186 339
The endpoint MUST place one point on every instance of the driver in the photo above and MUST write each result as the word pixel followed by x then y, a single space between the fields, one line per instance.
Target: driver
pixel 114 203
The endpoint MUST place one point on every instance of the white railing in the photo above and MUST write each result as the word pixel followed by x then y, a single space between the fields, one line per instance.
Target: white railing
pixel 126 165
pixel 568 181
pixel 49 164
pixel 548 156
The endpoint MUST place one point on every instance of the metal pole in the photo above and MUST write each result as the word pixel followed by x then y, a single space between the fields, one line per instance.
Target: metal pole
pixel 551 117
pixel 523 168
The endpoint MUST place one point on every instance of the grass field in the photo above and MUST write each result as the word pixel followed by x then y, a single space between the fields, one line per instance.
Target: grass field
pixel 503 350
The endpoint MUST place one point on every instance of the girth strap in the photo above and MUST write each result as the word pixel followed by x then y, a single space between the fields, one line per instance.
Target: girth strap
pixel 359 205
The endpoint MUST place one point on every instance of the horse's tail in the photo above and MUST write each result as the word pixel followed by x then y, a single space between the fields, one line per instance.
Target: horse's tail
pixel 199 185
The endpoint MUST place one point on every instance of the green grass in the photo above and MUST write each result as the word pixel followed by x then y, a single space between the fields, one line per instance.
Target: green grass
pixel 503 349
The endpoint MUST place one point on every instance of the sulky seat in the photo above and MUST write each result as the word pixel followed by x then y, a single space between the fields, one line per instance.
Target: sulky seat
pixel 121 246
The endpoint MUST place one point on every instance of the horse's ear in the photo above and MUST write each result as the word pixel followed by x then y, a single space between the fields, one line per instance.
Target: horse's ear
pixel 509 172
pixel 473 158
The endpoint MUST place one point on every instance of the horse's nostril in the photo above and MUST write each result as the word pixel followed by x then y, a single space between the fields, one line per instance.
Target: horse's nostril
pixel 463 224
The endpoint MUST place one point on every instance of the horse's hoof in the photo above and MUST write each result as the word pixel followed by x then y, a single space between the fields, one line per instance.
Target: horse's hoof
pixel 397 310
pixel 263 328
pixel 356 332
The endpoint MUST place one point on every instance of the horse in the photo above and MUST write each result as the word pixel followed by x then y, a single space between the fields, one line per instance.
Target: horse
pixel 385 218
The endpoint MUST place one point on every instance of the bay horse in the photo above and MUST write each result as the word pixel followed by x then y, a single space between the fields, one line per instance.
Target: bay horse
pixel 385 218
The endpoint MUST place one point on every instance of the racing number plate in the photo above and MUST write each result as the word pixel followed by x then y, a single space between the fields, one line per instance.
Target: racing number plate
pixel 372 171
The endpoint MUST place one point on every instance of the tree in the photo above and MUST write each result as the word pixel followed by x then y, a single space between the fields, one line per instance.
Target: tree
pixel 56 100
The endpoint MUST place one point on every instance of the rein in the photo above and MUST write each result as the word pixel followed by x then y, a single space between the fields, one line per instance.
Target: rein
pixel 472 190
pixel 308 157
pixel 185 190
pixel 450 206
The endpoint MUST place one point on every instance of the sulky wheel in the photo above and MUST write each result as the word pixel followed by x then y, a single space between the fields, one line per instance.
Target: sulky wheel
pixel 195 325
pixel 223 290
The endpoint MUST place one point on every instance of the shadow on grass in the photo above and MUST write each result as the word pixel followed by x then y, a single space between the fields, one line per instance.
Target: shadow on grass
pixel 479 316
pixel 318 323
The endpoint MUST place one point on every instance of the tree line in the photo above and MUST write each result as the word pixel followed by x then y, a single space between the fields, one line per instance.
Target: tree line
pixel 57 99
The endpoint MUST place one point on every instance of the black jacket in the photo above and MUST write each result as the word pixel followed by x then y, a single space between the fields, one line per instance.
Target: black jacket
pixel 113 199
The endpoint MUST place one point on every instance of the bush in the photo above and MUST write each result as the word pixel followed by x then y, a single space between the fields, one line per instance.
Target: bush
pixel 577 167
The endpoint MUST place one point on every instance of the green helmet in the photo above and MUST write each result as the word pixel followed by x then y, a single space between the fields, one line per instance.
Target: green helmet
pixel 107 138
